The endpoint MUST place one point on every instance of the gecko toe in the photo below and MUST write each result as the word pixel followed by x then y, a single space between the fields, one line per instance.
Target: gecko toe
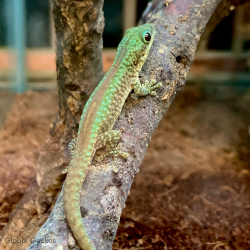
pixel 156 86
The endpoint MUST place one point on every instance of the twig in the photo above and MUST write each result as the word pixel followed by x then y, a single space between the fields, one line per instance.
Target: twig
pixel 174 188
pixel 195 219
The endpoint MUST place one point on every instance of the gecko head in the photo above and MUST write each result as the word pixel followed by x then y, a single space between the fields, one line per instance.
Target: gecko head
pixel 140 37
pixel 144 32
pixel 136 43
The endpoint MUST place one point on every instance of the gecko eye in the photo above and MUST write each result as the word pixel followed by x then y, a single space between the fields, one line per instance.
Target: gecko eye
pixel 146 36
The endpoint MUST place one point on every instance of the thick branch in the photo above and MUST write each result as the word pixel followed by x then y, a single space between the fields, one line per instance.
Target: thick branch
pixel 79 26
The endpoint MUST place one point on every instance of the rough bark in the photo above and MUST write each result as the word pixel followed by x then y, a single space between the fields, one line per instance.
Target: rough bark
pixel 179 26
pixel 79 26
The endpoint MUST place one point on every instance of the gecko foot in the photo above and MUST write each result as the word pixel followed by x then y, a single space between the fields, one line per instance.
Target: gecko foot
pixel 120 153
pixel 113 152
pixel 151 86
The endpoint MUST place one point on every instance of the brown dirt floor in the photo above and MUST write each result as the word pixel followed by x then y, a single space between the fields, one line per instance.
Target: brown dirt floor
pixel 193 190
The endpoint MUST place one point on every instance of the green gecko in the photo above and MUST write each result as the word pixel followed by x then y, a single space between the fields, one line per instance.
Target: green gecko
pixel 99 116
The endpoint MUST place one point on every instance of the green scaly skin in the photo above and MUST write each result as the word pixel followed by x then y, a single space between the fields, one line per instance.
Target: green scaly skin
pixel 99 116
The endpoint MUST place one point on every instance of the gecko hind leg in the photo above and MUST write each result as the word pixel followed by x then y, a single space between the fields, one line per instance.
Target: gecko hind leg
pixel 110 140
pixel 71 147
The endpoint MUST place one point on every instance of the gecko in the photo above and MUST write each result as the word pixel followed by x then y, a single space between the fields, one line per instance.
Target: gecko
pixel 99 116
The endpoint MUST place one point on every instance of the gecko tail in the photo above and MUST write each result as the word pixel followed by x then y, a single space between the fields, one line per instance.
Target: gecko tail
pixel 71 200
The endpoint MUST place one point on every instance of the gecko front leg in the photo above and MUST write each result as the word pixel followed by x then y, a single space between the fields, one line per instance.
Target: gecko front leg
pixel 145 89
